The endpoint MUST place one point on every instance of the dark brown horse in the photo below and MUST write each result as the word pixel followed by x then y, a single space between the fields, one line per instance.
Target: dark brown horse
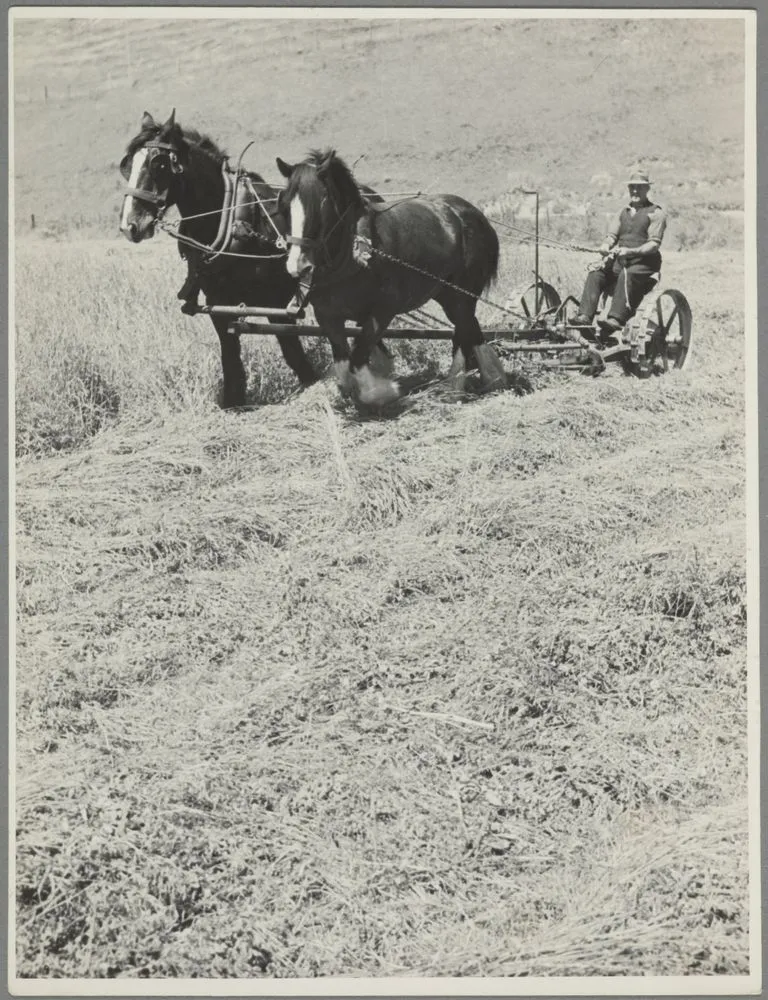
pixel 230 233
pixel 368 263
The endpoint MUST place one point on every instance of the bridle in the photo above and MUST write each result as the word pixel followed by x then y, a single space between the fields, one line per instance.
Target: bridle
pixel 160 199
pixel 320 243
pixel 240 192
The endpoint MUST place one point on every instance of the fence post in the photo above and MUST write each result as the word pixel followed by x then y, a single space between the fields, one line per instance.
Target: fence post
pixel 33 221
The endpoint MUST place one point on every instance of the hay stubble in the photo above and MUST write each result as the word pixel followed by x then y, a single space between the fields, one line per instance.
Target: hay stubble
pixel 455 693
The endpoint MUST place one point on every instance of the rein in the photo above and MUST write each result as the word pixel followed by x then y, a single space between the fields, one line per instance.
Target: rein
pixel 150 196
pixel 231 227
pixel 321 243
pixel 359 252
pixel 334 269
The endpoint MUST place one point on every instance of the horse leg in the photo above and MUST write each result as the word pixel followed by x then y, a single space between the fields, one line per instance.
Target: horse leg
pixel 489 364
pixel 470 349
pixel 381 360
pixel 340 352
pixel 333 329
pixel 232 368
pixel 373 388
pixel 457 373
pixel 464 359
pixel 296 358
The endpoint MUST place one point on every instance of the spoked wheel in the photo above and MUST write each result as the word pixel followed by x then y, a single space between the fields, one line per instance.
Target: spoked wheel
pixel 567 310
pixel 664 324
pixel 526 299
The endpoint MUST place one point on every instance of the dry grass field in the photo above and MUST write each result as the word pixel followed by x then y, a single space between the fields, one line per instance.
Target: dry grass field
pixel 299 693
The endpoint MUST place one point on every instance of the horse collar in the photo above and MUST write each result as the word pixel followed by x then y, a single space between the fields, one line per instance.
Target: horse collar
pixel 240 215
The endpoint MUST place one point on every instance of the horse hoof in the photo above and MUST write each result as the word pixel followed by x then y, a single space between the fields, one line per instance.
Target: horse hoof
pixel 343 376
pixel 374 390
pixel 491 369
pixel 384 394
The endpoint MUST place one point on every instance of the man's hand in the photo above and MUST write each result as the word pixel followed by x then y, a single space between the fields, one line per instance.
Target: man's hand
pixel 623 252
pixel 604 249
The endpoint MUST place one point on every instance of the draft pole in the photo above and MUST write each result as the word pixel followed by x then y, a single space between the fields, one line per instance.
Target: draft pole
pixel 535 256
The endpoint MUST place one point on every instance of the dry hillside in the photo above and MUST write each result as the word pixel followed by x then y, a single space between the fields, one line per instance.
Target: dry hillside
pixel 476 107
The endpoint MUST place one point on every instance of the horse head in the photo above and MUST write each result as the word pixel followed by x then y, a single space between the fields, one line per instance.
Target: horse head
pixel 153 165
pixel 322 202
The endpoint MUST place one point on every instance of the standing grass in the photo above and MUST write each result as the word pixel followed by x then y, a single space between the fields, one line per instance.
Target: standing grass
pixel 96 343
pixel 100 341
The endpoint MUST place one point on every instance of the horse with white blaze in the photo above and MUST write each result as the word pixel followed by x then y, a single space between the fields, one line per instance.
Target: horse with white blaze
pixel 370 262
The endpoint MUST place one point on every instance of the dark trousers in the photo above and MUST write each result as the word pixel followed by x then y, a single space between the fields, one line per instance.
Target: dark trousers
pixel 628 285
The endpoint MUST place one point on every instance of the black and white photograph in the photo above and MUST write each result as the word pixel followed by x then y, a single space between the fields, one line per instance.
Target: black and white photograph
pixel 384 526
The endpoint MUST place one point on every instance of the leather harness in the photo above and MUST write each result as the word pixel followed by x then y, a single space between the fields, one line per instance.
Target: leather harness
pixel 238 222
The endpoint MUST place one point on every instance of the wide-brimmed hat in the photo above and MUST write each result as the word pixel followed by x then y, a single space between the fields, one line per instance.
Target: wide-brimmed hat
pixel 638 177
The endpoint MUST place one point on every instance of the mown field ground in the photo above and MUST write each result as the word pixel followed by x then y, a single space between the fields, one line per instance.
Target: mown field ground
pixel 458 692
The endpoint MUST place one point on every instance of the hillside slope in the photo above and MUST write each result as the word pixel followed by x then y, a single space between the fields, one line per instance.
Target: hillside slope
pixel 471 106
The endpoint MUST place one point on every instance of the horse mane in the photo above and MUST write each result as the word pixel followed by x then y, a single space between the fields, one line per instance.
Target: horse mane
pixel 324 167
pixel 204 143
pixel 190 136
pixel 340 175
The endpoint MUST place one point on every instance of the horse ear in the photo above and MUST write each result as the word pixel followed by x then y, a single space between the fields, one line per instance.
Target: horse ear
pixel 147 121
pixel 322 167
pixel 171 121
pixel 285 168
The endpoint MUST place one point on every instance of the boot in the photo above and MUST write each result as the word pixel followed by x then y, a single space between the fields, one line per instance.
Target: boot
pixel 609 327
pixel 610 331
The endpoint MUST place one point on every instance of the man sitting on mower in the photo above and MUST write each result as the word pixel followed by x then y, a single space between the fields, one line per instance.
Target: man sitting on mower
pixel 632 260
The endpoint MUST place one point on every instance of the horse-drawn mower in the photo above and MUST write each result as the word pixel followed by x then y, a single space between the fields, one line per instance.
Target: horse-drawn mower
pixel 656 340
pixel 247 266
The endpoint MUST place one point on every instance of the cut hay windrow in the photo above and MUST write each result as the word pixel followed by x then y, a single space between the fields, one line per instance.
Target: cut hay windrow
pixel 453 696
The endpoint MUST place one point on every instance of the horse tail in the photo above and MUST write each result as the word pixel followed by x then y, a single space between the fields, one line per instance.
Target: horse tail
pixel 480 244
pixel 481 249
